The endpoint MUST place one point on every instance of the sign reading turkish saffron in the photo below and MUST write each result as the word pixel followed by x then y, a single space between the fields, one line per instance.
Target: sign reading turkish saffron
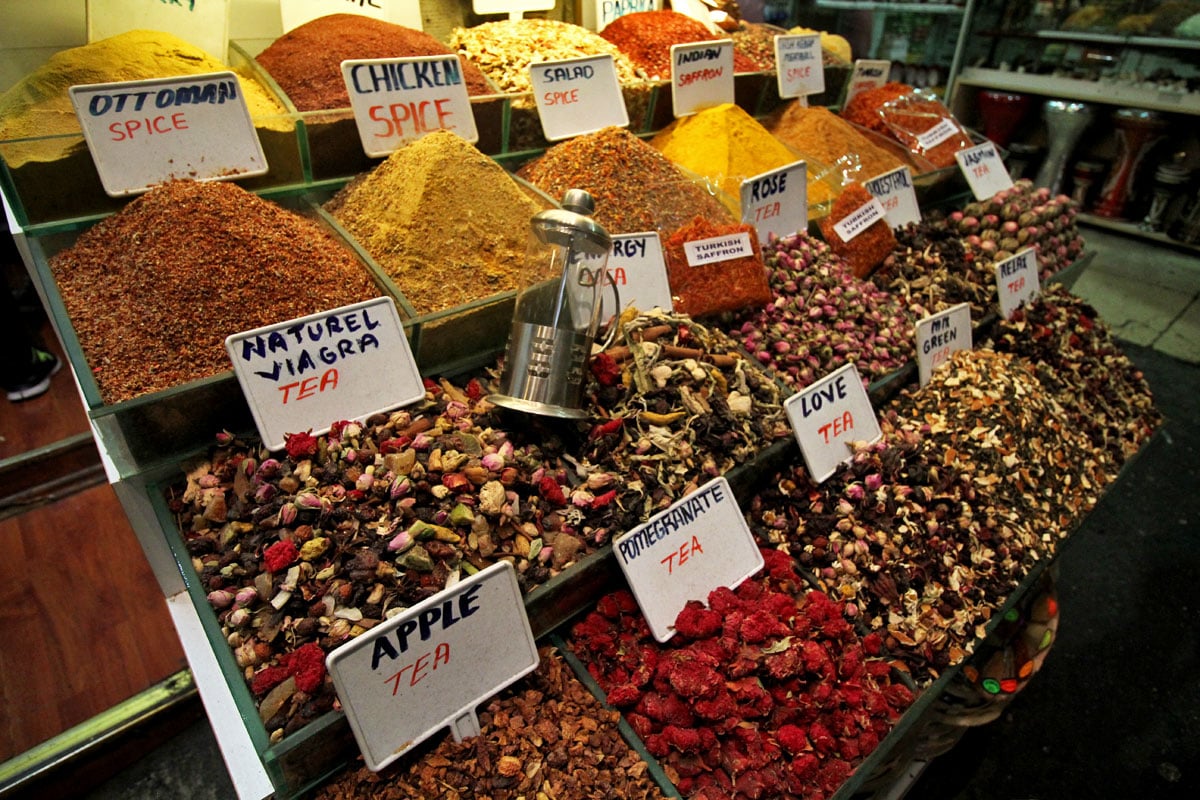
pixel 699 543
pixel 295 13
pixel 940 336
pixel 799 69
pixel 1017 281
pixel 776 202
pixel 637 269
pixel 428 668
pixel 828 416
pixel 397 100
pixel 701 75
pixel 867 73
pixel 577 96
pixel 896 196
pixel 858 220
pixel 984 170
pixel 307 373
pixel 143 133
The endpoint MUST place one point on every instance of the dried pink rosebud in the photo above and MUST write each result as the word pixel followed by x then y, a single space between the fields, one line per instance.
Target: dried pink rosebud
pixel 246 596
pixel 400 487
pixel 365 482
pixel 269 468
pixel 287 514
pixel 265 492
pixel 873 481
pixel 307 501
pixel 220 598
pixel 401 542
pixel 224 438
pixel 238 617
pixel 493 462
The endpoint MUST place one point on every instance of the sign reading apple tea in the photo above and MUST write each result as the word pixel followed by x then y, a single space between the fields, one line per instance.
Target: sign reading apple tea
pixel 143 133
pixel 701 75
pixel 701 542
pixel 430 666
pixel 940 336
pixel 984 170
pixel 776 202
pixel 577 96
pixel 829 415
pixel 799 69
pixel 1017 281
pixel 397 100
pixel 306 373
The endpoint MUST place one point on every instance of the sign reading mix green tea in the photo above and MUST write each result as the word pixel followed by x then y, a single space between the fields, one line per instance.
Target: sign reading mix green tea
pixel 577 96
pixel 984 170
pixel 1017 281
pixel 430 666
pixel 828 416
pixel 638 271
pixel 940 336
pixel 304 374
pixel 867 73
pixel 143 133
pixel 776 202
pixel 295 13
pixel 699 543
pixel 397 100
pixel 701 75
pixel 799 69
pixel 895 193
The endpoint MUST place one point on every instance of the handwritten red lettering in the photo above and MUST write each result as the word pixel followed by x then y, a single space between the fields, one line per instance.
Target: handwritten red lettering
pixel 683 555
pixel 834 429
pixel 309 386
pixel 419 669
pixel 148 126
pixel 416 118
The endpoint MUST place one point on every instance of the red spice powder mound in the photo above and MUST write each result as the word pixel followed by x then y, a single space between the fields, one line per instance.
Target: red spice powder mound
pixel 646 37
pixel 863 108
pixel 720 285
pixel 306 61
pixel 867 250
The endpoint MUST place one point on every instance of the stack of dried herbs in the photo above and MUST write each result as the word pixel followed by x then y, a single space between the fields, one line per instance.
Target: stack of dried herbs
pixel 931 269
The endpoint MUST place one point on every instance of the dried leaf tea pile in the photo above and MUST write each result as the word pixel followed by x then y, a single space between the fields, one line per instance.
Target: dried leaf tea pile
pixel 931 269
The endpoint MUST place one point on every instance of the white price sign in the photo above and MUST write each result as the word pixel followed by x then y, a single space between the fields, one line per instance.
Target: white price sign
pixel 896 195
pixel 701 75
pixel 701 542
pixel 598 13
pixel 799 69
pixel 143 133
pixel 577 96
pixel 429 667
pixel 829 415
pixel 984 170
pixel 307 373
pixel 1017 281
pixel 868 73
pixel 203 23
pixel 397 100
pixel 940 336
pixel 638 271
pixel 776 202
pixel 295 13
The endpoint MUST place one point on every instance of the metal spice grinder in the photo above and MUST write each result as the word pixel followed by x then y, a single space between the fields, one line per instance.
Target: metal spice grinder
pixel 555 322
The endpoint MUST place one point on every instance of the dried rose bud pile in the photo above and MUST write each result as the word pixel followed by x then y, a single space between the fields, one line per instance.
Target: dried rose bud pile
pixel 546 737
pixel 821 317
pixel 766 692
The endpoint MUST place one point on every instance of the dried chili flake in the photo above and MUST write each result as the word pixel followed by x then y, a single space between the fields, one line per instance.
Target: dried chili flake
pixel 729 284
pixel 870 247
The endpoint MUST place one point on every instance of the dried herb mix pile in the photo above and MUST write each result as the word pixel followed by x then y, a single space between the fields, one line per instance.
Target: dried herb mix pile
pixel 154 289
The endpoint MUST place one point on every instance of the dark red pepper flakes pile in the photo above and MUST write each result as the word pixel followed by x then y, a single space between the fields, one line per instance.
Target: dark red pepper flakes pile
pixel 646 37
pixel 766 692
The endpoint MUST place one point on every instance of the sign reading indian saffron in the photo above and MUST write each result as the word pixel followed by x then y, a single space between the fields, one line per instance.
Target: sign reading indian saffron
pixel 940 336
pixel 397 100
pixel 306 373
pixel 701 75
pixel 430 666
pixel 143 133
pixel 577 96
pixel 828 416
pixel 701 542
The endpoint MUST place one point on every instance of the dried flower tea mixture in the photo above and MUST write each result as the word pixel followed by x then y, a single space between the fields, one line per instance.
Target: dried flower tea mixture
pixel 931 269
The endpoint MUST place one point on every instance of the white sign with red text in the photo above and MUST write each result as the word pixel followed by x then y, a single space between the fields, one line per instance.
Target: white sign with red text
pixel 984 170
pixel 701 75
pixel 776 202
pixel 1017 281
pixel 828 416
pixel 896 195
pixel 637 275
pixel 940 336
pixel 577 96
pixel 799 69
pixel 867 73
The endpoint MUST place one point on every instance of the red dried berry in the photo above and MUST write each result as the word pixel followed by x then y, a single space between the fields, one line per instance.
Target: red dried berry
pixel 605 369
pixel 267 679
pixel 624 696
pixel 792 739
pixel 697 622
pixel 301 445
pixel 551 492
pixel 307 665
pixel 474 389
pixel 280 555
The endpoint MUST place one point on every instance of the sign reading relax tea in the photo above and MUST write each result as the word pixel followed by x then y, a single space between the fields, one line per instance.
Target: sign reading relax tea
pixel 1017 281
pixel 829 415
pixel 698 544
pixel 896 196
pixel 306 373
pixel 397 100
pixel 701 75
pixel 776 202
pixel 143 133
pixel 984 170
pixel 577 96
pixel 430 666
pixel 799 68
pixel 940 336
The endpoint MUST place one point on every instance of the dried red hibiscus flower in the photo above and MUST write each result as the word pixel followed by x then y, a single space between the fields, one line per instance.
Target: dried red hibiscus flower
pixel 301 445
pixel 280 555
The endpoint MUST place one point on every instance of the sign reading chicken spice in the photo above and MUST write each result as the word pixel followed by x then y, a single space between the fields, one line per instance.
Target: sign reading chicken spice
pixel 701 76
pixel 776 202
pixel 941 335
pixel 828 416
pixel 698 544
pixel 429 667
pixel 347 363
pixel 1017 281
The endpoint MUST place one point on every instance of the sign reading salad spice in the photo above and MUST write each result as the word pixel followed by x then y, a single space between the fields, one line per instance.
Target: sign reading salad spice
pixel 430 666
pixel 295 13
pixel 776 202
pixel 577 96
pixel 396 100
pixel 638 270
pixel 701 542
pixel 896 196
pixel 303 374
pixel 941 335
pixel 1017 281
pixel 701 75
pixel 827 416
pixel 984 170
pixel 143 133
pixel 868 73
pixel 799 69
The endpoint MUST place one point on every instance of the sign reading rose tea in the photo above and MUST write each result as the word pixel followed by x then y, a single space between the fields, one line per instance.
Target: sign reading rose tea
pixel 776 202
pixel 307 373
pixel 984 170
pixel 1017 281
pixel 396 100
pixel 143 133
pixel 895 193
pixel 940 336
pixel 638 271
pixel 430 666
pixel 701 542
pixel 295 13
pixel 827 416
pixel 799 70
pixel 577 96
pixel 701 75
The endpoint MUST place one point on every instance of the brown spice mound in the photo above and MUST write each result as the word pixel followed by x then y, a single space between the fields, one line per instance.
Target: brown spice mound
pixel 817 132
pixel 306 61
pixel 153 290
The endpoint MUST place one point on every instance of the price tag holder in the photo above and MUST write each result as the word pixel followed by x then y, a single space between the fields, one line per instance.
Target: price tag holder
pixel 827 416
pixel 867 73
pixel 143 133
pixel 799 69
pixel 857 221
pixel 1017 281
pixel 896 195
pixel 597 14
pixel 777 201
pixel 638 270
pixel 701 542
pixel 577 96
pixel 984 170
pixel 941 335
pixel 295 13
pixel 203 23
pixel 701 75
pixel 398 100
pixel 430 666
pixel 307 373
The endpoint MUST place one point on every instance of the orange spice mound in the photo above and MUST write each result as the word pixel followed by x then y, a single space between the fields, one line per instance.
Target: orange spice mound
pixel 818 132
pixel 863 108
pixel 867 250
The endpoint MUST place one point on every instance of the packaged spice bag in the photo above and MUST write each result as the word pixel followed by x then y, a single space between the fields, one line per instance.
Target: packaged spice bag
pixel 921 123
pixel 865 247
pixel 713 268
